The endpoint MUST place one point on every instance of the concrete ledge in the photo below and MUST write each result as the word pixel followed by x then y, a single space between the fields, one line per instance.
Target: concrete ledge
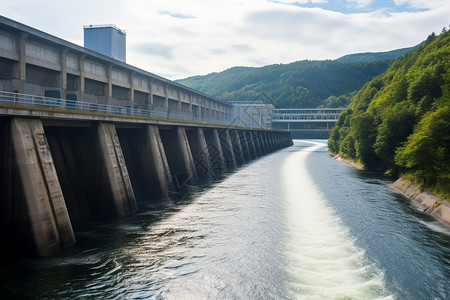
pixel 428 202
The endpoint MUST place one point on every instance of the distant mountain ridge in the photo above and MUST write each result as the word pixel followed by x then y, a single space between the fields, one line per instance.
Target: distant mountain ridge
pixel 301 84
pixel 373 56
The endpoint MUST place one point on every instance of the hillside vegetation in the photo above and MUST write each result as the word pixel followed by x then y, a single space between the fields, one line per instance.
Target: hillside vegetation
pixel 373 56
pixel 302 84
pixel 400 120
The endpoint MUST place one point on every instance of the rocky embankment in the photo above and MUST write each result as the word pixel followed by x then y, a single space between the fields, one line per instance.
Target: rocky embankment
pixel 428 202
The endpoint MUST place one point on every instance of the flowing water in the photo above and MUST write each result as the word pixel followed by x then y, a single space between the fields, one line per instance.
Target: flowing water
pixel 295 224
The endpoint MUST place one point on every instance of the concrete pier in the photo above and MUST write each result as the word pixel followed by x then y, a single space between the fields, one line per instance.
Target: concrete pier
pixel 251 144
pixel 215 151
pixel 179 156
pixel 237 146
pixel 34 217
pixel 113 189
pixel 227 147
pixel 200 153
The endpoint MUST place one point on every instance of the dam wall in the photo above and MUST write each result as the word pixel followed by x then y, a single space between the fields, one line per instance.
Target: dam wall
pixel 60 173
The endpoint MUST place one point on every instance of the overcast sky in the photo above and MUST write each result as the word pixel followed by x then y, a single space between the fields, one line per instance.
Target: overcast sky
pixel 180 38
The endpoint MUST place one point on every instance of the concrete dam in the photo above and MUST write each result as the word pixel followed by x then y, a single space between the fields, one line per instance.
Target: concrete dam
pixel 86 138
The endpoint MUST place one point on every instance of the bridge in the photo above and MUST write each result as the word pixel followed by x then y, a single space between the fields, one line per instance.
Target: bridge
pixel 86 138
pixel 319 120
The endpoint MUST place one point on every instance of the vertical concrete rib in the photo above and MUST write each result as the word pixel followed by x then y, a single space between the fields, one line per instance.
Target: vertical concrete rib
pixel 200 153
pixel 257 142
pixel 156 168
pixel 251 144
pixel 264 149
pixel 116 182
pixel 245 145
pixel 179 156
pixel 186 152
pixel 40 213
pixel 227 147
pixel 215 151
pixel 237 147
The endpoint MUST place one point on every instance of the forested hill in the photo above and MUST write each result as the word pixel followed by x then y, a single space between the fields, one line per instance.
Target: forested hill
pixel 301 84
pixel 400 120
pixel 373 56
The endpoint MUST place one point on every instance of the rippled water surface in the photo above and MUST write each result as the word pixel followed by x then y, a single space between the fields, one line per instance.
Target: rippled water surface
pixel 295 224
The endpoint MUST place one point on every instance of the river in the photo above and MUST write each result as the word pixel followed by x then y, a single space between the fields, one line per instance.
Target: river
pixel 295 224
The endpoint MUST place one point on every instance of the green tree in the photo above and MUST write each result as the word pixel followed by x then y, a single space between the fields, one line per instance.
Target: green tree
pixel 397 124
pixel 427 151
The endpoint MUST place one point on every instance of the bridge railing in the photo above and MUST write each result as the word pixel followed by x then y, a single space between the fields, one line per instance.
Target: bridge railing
pixel 318 114
pixel 36 102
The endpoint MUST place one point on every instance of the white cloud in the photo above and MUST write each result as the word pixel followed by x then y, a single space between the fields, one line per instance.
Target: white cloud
pixel 361 3
pixel 421 4
pixel 180 38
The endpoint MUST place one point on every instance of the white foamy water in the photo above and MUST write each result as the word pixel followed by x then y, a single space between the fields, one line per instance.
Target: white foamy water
pixel 323 261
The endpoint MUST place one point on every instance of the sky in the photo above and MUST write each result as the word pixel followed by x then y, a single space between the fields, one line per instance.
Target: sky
pixel 180 38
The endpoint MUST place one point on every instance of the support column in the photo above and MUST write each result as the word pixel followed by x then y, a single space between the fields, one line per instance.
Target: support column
pixel 237 147
pixel 179 156
pixel 200 153
pixel 132 89
pixel 20 69
pixel 227 147
pixel 257 142
pixel 215 152
pixel 108 87
pixel 262 141
pixel 155 167
pixel 179 100
pixel 190 103
pixel 251 144
pixel 81 86
pixel 245 145
pixel 166 96
pixel 33 216
pixel 114 190
pixel 63 62
pixel 150 95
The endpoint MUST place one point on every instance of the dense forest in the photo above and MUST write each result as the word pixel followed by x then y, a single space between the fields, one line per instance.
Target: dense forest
pixel 400 120
pixel 373 56
pixel 302 84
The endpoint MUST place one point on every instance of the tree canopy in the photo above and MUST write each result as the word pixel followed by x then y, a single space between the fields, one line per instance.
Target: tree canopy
pixel 400 120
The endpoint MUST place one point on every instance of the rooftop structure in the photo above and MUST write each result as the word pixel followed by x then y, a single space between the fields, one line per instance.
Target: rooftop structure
pixel 108 40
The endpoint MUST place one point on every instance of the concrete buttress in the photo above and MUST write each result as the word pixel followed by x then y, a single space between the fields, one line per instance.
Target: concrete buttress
pixel 179 156
pixel 36 216
pixel 251 144
pixel 115 187
pixel 215 151
pixel 227 147
pixel 158 167
pixel 200 153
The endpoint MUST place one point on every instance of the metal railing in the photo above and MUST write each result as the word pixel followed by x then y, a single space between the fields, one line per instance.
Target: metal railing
pixel 36 102
pixel 305 115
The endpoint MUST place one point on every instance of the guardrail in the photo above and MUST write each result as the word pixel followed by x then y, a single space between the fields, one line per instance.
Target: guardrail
pixel 37 102
pixel 299 115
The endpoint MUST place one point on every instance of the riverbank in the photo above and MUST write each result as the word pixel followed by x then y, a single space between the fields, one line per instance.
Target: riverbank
pixel 428 202
pixel 347 161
